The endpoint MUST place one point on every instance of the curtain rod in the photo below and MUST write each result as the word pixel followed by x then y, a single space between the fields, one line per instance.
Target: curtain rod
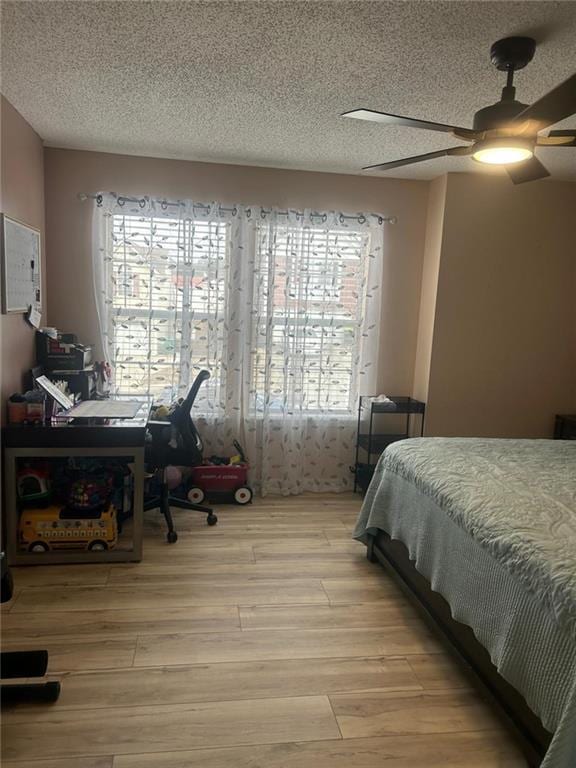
pixel 361 219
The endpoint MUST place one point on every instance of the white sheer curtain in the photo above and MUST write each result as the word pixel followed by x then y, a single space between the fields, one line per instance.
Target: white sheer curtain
pixel 281 307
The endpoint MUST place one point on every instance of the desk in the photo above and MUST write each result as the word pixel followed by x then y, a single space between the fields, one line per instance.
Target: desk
pixel 117 438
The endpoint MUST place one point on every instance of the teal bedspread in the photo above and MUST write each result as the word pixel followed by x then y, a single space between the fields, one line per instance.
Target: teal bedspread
pixel 492 525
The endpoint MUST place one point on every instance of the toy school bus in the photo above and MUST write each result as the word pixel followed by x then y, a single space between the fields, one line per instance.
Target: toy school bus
pixel 58 527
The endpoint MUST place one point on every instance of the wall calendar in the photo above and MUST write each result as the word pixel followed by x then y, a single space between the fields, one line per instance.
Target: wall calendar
pixel 20 258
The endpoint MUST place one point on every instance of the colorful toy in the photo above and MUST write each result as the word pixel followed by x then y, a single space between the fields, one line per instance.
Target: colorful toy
pixel 160 413
pixel 55 527
pixel 34 485
pixel 221 475
pixel 90 492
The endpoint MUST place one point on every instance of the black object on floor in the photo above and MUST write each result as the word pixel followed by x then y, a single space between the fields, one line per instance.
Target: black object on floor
pixel 23 663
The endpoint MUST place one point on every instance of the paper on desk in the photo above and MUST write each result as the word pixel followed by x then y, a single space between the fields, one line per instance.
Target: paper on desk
pixel 105 409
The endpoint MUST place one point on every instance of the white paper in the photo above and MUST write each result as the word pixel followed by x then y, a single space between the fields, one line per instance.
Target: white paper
pixel 34 317
pixel 54 392
pixel 105 409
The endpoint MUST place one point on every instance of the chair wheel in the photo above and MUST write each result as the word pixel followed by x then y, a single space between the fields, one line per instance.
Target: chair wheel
pixel 211 519
pixel 171 537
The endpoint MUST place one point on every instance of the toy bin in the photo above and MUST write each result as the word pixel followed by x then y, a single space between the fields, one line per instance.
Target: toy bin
pixel 214 479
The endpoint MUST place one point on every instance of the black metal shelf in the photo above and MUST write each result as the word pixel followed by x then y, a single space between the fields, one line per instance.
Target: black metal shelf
pixel 397 404
pixel 372 443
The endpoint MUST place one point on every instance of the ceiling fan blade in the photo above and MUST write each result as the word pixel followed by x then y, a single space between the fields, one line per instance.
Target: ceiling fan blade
pixel 529 170
pixel 419 158
pixel 556 105
pixel 558 139
pixel 408 122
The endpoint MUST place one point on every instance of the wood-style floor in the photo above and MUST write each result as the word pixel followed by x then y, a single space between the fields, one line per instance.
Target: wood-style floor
pixel 267 641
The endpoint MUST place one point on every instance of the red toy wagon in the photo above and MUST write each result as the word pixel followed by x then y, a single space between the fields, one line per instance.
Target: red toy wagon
pixel 212 479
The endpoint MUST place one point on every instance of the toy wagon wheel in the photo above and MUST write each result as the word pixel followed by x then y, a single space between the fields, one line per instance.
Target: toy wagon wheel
pixel 196 495
pixel 243 495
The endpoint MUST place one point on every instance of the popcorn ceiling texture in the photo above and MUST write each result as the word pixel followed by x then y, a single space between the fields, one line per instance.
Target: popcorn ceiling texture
pixel 263 83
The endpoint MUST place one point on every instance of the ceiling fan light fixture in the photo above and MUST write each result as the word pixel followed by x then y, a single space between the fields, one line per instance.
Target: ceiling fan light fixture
pixel 503 151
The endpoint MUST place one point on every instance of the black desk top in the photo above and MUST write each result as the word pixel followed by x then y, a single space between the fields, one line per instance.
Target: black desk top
pixel 79 433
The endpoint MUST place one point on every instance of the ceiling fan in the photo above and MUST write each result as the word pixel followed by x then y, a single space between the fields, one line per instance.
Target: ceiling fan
pixel 505 133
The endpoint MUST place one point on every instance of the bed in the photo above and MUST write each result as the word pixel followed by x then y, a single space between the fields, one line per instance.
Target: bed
pixel 482 535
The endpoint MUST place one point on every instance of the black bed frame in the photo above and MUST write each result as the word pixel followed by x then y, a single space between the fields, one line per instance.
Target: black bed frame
pixel 522 722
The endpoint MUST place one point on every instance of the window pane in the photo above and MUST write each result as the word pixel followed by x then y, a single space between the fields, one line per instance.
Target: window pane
pixel 168 303
pixel 308 305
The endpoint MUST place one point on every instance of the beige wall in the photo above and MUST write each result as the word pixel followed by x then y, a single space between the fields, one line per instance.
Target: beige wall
pixel 22 198
pixel 430 271
pixel 68 235
pixel 504 349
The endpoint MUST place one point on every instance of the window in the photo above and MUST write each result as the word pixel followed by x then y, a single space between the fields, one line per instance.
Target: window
pixel 275 311
pixel 282 307
pixel 308 311
pixel 168 299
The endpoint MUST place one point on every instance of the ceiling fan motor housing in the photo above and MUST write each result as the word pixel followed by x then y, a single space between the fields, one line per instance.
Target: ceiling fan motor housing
pixel 497 115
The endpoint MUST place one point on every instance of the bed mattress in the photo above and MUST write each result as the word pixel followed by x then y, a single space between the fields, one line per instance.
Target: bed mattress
pixel 491 524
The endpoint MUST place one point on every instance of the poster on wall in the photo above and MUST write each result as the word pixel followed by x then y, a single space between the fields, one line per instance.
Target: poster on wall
pixel 20 261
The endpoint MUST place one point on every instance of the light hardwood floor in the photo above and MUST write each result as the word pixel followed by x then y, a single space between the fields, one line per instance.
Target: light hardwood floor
pixel 268 640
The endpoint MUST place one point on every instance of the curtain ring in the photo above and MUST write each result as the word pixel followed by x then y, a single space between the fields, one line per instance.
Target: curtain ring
pixel 262 213
pixel 380 220
pixel 248 212
pixel 164 205
pixel 142 202
pixel 324 217
pixel 121 202
pixel 361 219
pixel 341 218
pixel 234 211
pixel 99 201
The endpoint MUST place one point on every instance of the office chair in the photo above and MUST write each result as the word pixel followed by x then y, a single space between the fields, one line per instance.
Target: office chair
pixel 23 663
pixel 176 443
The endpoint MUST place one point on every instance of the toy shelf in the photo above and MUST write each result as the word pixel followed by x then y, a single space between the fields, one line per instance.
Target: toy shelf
pixel 57 513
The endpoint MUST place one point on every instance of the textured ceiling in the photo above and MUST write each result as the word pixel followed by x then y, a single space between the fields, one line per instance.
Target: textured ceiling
pixel 263 83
